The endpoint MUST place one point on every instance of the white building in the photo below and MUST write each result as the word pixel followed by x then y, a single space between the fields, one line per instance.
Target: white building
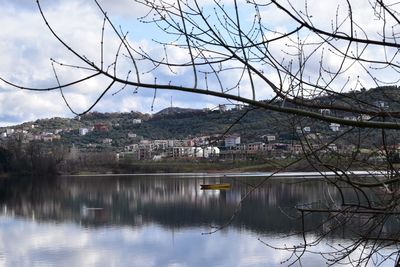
pixel 332 147
pixel 83 131
pixel 197 152
pixel 186 152
pixel 232 140
pixel 306 129
pixel 270 138
pixel 136 121
pixel 335 127
pixel 364 117
pixel 325 111
pixel 381 104
pixel 107 141
pixel 350 118
pixel 201 140
pixel 211 151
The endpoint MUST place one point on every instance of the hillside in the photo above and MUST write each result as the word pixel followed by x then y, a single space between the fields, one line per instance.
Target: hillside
pixel 178 123
pixel 178 126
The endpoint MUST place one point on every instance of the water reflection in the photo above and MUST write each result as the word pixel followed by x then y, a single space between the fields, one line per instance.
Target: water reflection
pixel 170 202
pixel 153 221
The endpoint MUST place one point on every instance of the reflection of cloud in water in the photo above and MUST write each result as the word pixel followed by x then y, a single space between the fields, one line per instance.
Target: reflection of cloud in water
pixel 27 243
pixel 151 222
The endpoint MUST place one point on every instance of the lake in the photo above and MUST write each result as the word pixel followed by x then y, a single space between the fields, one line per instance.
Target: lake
pixel 165 220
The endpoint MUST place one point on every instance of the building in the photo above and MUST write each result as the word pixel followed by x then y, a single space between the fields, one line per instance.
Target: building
pixel 101 127
pixel 131 148
pixel 350 118
pixel 332 147
pixel 107 141
pixel 185 152
pixel 364 117
pixel 48 137
pixel 256 146
pixel 136 121
pixel 211 151
pixel 335 127
pixel 325 111
pixel 381 104
pixel 83 131
pixel 270 138
pixel 232 141
pixel 132 135
pixel 297 149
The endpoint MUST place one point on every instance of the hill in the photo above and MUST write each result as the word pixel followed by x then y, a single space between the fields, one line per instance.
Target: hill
pixel 179 123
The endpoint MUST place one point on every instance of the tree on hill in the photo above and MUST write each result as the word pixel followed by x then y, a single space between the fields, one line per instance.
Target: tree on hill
pixel 296 52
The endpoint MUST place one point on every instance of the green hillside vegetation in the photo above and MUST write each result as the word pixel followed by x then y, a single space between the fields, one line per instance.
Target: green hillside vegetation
pixel 182 125
pixel 178 123
pixel 368 98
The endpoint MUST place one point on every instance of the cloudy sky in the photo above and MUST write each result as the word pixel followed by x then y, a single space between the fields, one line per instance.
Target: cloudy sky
pixel 27 45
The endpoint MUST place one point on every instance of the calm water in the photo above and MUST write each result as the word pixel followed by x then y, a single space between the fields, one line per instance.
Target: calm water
pixel 157 221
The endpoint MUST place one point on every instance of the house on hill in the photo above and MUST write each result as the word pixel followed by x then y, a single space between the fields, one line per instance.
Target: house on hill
pixel 101 127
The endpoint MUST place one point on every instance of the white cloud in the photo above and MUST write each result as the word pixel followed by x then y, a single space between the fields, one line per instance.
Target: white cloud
pixel 125 8
pixel 29 105
pixel 26 46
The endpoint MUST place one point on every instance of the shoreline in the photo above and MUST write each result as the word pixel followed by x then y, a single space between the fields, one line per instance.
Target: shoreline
pixel 303 175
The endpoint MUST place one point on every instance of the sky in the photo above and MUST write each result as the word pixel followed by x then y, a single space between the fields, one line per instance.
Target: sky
pixel 27 47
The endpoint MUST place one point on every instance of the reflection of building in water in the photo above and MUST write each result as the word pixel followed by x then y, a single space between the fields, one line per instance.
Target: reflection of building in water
pixel 170 201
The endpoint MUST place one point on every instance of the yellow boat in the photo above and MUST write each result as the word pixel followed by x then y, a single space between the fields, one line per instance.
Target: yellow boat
pixel 221 186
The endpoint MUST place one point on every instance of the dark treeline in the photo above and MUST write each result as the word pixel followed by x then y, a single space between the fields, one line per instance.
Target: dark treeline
pixel 29 159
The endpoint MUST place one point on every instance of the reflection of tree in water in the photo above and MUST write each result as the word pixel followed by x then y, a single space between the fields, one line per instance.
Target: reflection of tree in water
pixel 29 197
pixel 179 203
pixel 172 202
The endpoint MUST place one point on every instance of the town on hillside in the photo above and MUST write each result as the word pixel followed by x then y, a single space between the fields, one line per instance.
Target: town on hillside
pixel 139 137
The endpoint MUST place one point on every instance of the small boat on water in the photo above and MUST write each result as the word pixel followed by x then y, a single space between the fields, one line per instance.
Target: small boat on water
pixel 222 186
